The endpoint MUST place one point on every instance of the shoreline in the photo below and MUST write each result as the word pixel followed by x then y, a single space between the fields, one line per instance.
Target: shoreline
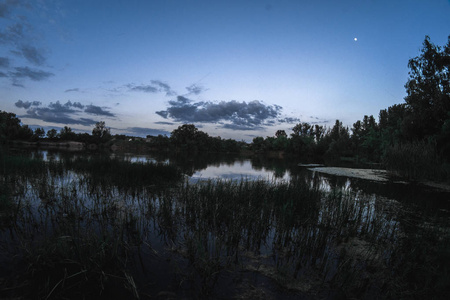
pixel 377 175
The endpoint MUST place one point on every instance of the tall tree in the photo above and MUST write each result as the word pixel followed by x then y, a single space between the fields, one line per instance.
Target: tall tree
pixel 428 89
pixel 9 126
pixel 101 132
pixel 67 134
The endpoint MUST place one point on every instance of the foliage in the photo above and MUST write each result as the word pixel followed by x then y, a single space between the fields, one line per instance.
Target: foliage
pixel 428 90
pixel 101 132
pixel 416 160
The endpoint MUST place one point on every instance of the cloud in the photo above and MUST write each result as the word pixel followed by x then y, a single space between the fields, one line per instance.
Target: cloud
pixel 165 123
pixel 4 10
pixel 5 7
pixel 195 89
pixel 32 55
pixel 4 62
pixel 289 120
pixel 97 110
pixel 76 104
pixel 236 115
pixel 72 90
pixel 68 107
pixel 3 74
pixel 26 104
pixel 56 112
pixel 141 131
pixel 21 38
pixel 49 115
pixel 155 86
pixel 241 127
pixel 164 87
pixel 12 34
pixel 142 88
pixel 35 75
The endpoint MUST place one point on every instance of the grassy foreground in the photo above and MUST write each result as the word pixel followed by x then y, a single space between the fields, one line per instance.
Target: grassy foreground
pixel 106 228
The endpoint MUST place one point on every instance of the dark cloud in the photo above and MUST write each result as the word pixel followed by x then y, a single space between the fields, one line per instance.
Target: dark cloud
pixel 72 90
pixel 25 72
pixel 32 55
pixel 26 104
pixel 165 123
pixel 164 87
pixel 97 110
pixel 142 88
pixel 76 104
pixel 18 37
pixel 155 86
pixel 6 6
pixel 251 115
pixel 4 10
pixel 3 74
pixel 57 112
pixel 4 62
pixel 49 115
pixel 289 120
pixel 12 34
pixel 195 89
pixel 143 132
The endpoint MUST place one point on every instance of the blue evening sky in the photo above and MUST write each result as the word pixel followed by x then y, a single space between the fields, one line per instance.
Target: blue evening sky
pixel 235 69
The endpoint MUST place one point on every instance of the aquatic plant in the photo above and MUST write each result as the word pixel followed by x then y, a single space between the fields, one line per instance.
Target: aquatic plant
pixel 76 230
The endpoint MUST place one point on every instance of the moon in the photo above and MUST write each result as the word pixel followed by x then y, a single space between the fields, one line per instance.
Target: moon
pixel 355 39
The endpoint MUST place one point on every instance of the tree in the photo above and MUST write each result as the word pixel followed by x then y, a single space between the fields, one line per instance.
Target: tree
pixel 280 133
pixel 9 126
pixel 189 138
pixel 101 132
pixel 66 133
pixel 52 134
pixel 339 138
pixel 303 129
pixel 39 133
pixel 428 90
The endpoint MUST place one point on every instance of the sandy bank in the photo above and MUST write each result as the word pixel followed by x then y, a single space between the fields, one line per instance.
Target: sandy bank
pixel 374 175
pixel 369 174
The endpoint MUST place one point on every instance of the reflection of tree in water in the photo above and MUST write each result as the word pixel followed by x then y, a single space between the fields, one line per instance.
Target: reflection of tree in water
pixel 191 163
pixel 279 167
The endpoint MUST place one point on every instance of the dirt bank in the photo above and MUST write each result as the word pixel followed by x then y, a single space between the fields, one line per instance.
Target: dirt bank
pixel 369 174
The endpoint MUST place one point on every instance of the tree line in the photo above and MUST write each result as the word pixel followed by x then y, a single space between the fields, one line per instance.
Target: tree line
pixel 11 128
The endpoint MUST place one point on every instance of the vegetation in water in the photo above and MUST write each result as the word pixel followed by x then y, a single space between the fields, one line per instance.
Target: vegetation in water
pixel 72 231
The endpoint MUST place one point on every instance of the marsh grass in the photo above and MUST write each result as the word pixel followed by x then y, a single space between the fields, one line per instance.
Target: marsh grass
pixel 416 161
pixel 80 229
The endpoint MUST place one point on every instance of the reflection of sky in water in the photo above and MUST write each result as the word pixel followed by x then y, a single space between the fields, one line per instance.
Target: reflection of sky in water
pixel 137 158
pixel 238 170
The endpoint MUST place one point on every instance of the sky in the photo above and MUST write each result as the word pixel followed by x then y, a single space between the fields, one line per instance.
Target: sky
pixel 235 69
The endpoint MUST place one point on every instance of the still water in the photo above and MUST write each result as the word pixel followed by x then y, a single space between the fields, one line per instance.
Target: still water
pixel 234 167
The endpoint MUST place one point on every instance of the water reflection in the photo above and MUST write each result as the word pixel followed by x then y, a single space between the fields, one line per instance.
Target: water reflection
pixel 235 167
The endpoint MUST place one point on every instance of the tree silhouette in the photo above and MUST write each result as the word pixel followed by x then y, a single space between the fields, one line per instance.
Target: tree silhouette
pixel 101 132
pixel 428 90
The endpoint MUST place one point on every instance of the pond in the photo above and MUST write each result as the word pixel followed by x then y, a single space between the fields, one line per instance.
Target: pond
pixel 213 226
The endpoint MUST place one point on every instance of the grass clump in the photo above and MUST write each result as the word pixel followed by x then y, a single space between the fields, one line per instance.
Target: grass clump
pixel 417 160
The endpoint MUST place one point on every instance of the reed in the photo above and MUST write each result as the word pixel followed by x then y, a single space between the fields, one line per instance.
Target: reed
pixel 416 161
pixel 77 230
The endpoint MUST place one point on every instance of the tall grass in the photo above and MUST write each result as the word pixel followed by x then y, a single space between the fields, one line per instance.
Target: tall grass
pixel 88 228
pixel 416 161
